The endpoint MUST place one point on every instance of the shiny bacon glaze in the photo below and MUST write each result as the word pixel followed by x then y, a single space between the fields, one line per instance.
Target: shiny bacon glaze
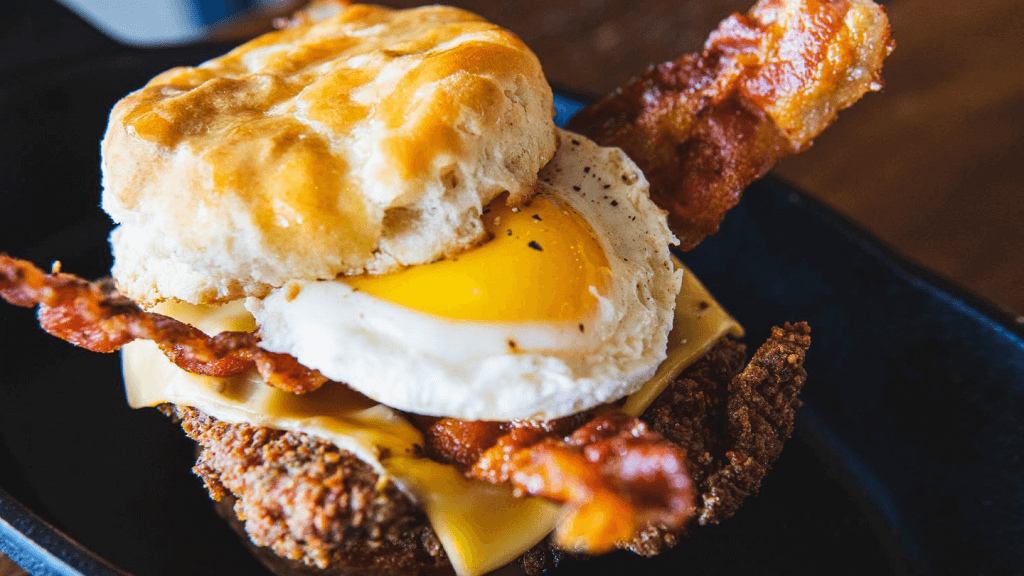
pixel 705 126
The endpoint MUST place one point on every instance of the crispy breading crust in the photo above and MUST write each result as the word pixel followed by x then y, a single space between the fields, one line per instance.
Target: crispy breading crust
pixel 311 502
pixel 733 427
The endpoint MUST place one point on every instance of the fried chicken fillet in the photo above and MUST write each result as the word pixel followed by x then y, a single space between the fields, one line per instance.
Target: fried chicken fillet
pixel 702 128
pixel 732 419
pixel 643 474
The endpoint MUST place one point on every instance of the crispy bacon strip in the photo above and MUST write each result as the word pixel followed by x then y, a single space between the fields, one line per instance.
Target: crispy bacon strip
pixel 627 481
pixel 92 315
pixel 733 421
pixel 705 126
pixel 616 476
pixel 463 442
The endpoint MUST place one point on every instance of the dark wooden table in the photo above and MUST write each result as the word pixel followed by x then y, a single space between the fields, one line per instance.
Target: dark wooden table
pixel 932 165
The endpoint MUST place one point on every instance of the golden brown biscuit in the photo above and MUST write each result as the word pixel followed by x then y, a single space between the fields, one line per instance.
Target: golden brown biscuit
pixel 360 139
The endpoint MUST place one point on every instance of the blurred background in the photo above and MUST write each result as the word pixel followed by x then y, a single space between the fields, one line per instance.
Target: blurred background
pixel 171 22
pixel 930 165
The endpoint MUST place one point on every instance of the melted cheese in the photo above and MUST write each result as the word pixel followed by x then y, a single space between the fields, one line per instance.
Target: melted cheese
pixel 464 513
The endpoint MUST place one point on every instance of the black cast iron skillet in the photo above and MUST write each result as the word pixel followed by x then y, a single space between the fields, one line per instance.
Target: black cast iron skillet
pixel 906 458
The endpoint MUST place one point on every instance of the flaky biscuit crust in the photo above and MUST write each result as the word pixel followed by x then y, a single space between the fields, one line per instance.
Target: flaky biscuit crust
pixel 361 139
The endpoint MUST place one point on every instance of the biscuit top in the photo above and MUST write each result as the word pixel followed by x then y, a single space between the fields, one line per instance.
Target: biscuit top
pixel 361 139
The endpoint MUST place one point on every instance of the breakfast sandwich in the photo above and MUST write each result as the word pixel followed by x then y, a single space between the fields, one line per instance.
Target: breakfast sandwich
pixel 416 328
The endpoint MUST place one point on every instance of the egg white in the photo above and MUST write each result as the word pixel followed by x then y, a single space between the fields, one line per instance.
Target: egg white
pixel 426 364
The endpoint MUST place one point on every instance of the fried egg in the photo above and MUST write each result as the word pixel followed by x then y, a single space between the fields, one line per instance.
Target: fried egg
pixel 566 306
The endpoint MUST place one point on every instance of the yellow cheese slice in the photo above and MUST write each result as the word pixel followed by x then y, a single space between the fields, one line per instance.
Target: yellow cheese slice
pixel 482 527
pixel 699 322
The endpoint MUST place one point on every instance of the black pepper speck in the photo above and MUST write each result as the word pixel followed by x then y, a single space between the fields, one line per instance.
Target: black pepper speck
pixel 576 188
pixel 533 244
pixel 536 217
pixel 615 202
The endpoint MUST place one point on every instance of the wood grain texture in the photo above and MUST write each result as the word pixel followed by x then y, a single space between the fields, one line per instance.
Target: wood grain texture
pixel 9 568
pixel 931 165
pixel 593 46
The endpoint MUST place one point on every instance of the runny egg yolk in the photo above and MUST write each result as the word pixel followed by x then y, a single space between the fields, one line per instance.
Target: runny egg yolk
pixel 542 262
